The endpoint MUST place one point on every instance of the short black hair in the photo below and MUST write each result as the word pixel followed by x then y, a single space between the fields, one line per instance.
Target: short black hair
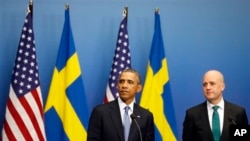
pixel 133 71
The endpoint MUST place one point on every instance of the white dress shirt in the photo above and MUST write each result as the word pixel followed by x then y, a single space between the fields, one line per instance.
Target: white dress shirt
pixel 122 106
pixel 220 112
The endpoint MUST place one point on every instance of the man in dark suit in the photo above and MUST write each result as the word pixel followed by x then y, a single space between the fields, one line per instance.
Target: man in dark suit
pixel 198 124
pixel 107 122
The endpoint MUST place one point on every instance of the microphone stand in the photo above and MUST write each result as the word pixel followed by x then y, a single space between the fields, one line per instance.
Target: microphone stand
pixel 231 120
pixel 133 117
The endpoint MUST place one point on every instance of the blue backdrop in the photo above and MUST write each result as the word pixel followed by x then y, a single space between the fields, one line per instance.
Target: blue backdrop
pixel 198 35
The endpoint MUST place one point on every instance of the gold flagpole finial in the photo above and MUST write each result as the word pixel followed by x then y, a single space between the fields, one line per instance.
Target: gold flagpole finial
pixel 31 2
pixel 67 6
pixel 125 11
pixel 157 10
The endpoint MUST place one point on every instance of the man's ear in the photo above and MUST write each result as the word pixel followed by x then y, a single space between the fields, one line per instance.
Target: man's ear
pixel 139 88
pixel 223 86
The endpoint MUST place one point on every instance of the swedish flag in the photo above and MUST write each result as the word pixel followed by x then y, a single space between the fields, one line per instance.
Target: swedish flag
pixel 156 95
pixel 66 112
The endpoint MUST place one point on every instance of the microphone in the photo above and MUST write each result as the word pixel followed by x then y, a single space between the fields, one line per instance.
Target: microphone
pixel 133 117
pixel 231 120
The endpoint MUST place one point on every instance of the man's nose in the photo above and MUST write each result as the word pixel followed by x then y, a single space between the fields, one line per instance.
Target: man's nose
pixel 125 84
pixel 208 86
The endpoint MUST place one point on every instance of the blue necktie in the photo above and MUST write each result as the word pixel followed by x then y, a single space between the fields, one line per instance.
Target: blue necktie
pixel 126 123
pixel 216 124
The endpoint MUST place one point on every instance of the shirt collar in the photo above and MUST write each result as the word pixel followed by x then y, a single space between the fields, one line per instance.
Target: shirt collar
pixel 220 104
pixel 122 105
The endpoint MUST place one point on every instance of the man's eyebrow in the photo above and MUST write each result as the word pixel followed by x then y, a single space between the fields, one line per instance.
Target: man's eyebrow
pixel 130 80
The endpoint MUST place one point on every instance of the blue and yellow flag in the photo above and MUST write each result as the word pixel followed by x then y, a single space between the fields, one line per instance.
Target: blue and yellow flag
pixel 156 95
pixel 66 111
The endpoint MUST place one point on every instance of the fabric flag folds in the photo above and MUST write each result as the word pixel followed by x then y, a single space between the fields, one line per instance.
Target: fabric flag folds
pixel 156 95
pixel 121 59
pixel 24 110
pixel 66 111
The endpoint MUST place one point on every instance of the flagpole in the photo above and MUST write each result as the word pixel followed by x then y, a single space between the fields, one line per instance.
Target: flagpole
pixel 31 8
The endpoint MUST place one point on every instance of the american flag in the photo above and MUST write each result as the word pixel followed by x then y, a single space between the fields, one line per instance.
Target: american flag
pixel 121 59
pixel 24 110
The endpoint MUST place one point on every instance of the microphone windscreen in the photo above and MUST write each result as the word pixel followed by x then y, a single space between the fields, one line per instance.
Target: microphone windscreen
pixel 132 116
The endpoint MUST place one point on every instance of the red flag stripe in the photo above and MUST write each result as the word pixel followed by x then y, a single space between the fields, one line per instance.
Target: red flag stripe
pixel 30 112
pixel 8 130
pixel 108 96
pixel 30 120
pixel 38 97
pixel 12 126
pixel 18 120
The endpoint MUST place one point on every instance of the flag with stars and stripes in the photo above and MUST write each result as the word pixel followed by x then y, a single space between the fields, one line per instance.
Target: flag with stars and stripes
pixel 121 60
pixel 24 110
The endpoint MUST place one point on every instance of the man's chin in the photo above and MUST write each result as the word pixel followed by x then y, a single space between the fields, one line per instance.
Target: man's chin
pixel 209 95
pixel 210 98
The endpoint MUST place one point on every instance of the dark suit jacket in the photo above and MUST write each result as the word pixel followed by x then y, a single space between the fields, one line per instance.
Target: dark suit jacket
pixel 196 124
pixel 105 124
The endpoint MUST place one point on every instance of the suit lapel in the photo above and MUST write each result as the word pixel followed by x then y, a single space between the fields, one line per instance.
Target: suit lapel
pixel 226 124
pixel 204 118
pixel 116 118
pixel 134 129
